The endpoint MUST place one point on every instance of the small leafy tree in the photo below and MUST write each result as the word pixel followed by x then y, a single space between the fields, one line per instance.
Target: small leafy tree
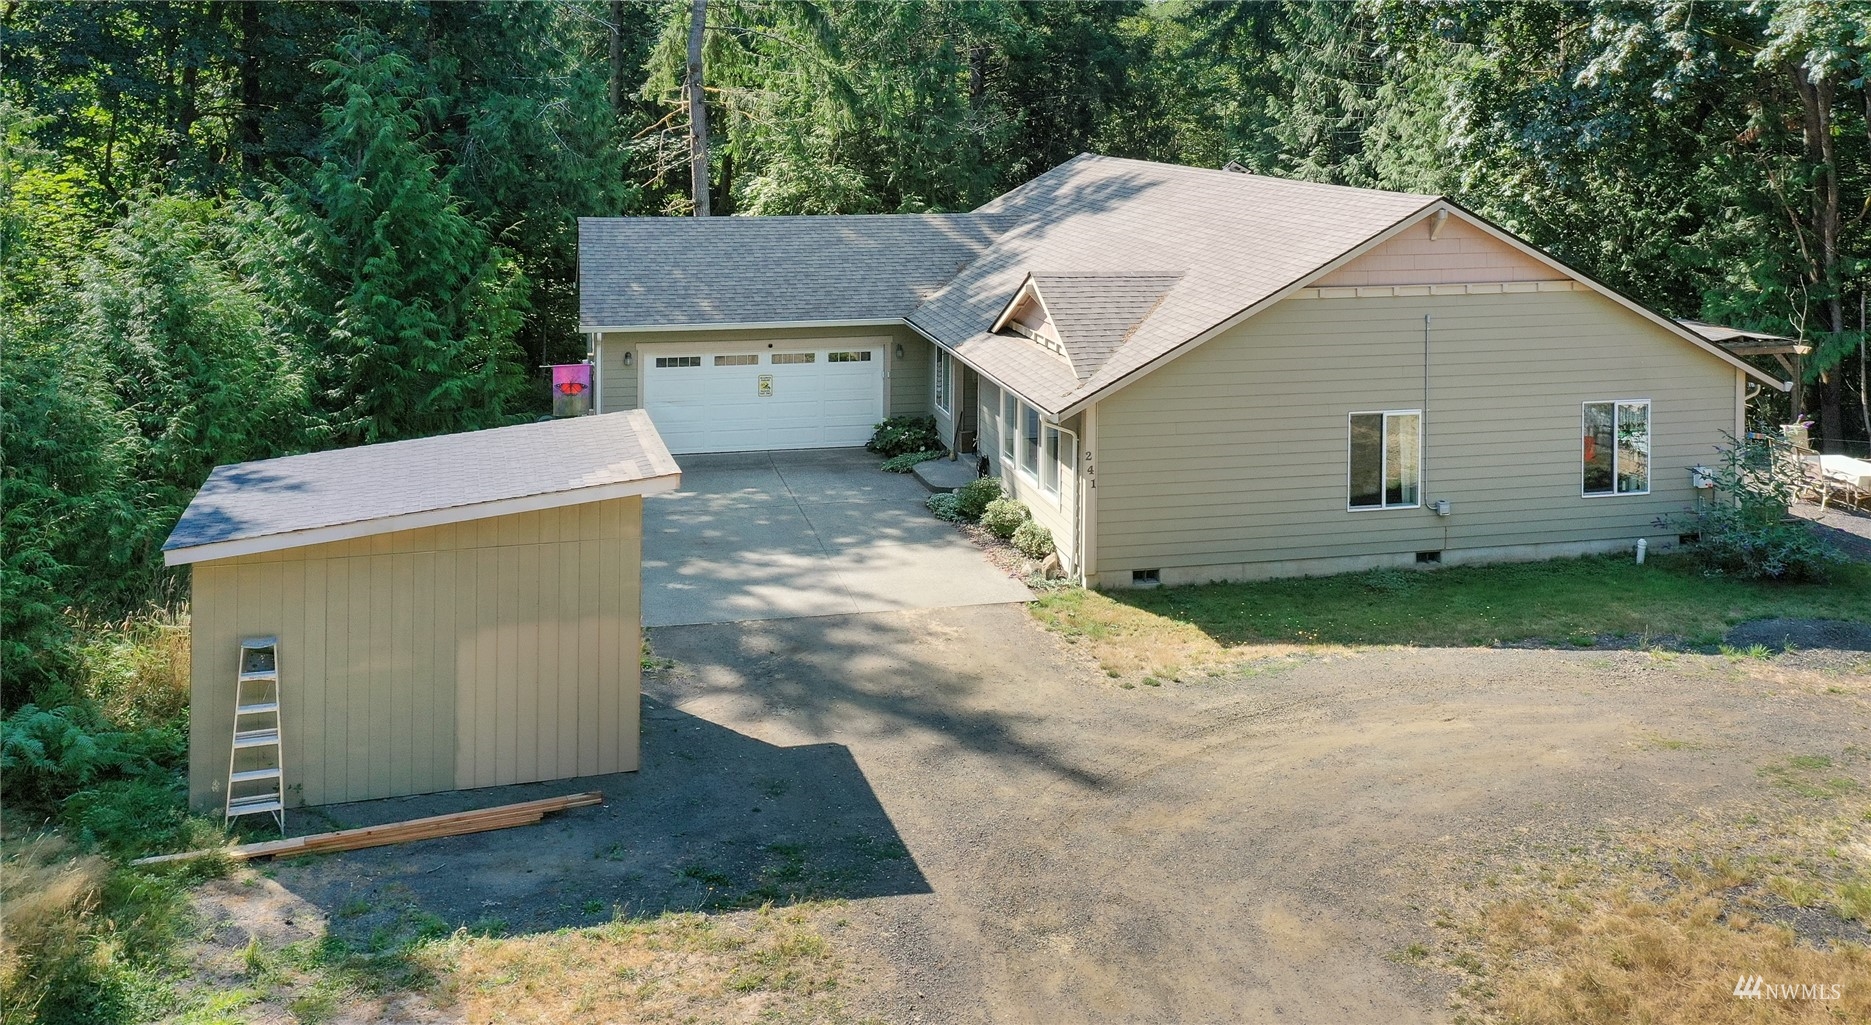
pixel 1744 529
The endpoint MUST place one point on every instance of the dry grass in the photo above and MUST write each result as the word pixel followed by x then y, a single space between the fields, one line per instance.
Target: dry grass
pixel 1659 927
pixel 136 671
pixel 767 965
pixel 1626 957
pixel 47 897
pixel 1129 641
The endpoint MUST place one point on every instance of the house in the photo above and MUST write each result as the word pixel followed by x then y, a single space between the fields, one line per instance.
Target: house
pixel 450 612
pixel 1188 375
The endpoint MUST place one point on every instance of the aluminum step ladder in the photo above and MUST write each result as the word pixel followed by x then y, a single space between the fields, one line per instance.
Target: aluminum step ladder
pixel 256 767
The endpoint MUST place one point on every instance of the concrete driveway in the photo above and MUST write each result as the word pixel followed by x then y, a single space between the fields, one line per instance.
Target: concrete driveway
pixel 781 535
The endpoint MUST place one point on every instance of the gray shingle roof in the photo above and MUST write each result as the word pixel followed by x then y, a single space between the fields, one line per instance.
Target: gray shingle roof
pixel 641 272
pixel 274 498
pixel 1236 239
pixel 1095 314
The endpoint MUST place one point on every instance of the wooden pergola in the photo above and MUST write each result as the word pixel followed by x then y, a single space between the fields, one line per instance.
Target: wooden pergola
pixel 1744 343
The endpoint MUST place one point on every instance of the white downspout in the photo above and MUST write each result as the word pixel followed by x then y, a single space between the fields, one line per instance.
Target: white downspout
pixel 1087 518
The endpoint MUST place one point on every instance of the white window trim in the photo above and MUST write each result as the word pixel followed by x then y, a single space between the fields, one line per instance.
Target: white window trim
pixel 944 381
pixel 1650 430
pixel 1384 450
pixel 1059 436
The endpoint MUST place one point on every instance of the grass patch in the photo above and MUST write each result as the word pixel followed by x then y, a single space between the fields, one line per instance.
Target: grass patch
pixel 1657 925
pixel 1570 601
pixel 1809 776
pixel 765 965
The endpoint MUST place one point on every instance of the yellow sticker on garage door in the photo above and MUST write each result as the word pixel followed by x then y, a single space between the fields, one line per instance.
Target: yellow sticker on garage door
pixel 765 387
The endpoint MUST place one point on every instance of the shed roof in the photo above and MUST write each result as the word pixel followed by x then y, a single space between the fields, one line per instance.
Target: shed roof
pixel 270 504
pixel 680 272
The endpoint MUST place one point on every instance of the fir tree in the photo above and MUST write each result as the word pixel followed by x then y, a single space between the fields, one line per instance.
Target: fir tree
pixel 424 307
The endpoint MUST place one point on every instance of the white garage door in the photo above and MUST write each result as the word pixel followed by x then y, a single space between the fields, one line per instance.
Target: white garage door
pixel 743 398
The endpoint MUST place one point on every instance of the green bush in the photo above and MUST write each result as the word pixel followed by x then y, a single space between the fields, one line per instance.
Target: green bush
pixel 975 495
pixel 47 754
pixel 901 435
pixel 907 461
pixel 1003 516
pixel 127 818
pixel 1744 529
pixel 945 506
pixel 1033 540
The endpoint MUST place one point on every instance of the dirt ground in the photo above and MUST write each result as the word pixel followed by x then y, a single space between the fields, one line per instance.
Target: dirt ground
pixel 1019 838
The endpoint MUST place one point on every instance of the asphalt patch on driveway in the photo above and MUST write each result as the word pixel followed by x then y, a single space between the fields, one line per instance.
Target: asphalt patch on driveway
pixel 714 820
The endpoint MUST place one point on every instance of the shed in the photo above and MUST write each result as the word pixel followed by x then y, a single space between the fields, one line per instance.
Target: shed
pixel 457 611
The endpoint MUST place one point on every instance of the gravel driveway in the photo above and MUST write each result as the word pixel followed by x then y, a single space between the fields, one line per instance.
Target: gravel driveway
pixel 1021 840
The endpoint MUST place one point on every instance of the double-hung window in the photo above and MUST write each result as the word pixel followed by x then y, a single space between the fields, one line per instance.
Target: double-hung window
pixel 1009 426
pixel 1386 460
pixel 944 381
pixel 1616 456
pixel 1029 440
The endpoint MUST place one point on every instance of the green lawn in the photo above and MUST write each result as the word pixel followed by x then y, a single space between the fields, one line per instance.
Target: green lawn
pixel 1563 601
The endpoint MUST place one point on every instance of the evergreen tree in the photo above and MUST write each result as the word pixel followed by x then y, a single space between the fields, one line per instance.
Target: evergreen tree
pixel 199 372
pixel 424 307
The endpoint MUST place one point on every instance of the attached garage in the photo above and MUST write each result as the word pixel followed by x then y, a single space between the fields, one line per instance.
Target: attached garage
pixel 449 612
pixel 722 396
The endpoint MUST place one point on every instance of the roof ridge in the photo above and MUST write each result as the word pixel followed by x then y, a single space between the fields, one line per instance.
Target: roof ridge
pixel 1254 176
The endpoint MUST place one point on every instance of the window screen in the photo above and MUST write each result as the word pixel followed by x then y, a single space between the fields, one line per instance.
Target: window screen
pixel 1049 460
pixel 1385 460
pixel 1029 438
pixel 1009 425
pixel 1615 459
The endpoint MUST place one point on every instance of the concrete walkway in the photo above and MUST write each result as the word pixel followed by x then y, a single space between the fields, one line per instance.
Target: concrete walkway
pixel 786 534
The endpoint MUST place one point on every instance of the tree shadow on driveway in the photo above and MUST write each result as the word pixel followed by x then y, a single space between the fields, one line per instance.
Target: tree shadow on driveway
pixel 714 820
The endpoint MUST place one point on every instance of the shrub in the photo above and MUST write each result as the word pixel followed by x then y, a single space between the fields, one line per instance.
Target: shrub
pixel 945 506
pixel 1744 530
pixel 900 435
pixel 907 461
pixel 976 494
pixel 46 754
pixel 1033 540
pixel 1003 516
pixel 127 818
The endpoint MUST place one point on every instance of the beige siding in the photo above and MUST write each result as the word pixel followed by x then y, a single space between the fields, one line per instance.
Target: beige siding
pixel 472 654
pixel 911 386
pixel 1232 459
pixel 907 378
pixel 1460 252
pixel 1057 513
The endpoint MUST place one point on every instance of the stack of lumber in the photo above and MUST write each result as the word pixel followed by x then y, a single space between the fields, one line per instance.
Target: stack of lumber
pixel 505 816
